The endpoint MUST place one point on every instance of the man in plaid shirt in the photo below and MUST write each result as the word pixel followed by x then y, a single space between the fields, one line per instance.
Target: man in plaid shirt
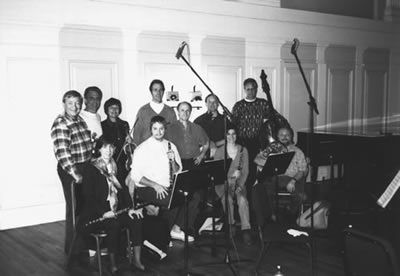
pixel 73 149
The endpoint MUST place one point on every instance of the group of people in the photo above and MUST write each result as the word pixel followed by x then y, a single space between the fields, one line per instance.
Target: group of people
pixel 112 165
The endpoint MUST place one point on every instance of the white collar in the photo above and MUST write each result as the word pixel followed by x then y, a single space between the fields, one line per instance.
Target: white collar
pixel 250 101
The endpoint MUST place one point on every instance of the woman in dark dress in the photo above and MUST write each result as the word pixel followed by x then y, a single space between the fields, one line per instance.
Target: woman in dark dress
pixel 117 131
pixel 103 197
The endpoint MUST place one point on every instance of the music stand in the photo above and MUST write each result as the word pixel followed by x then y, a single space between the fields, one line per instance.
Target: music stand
pixel 184 185
pixel 216 174
pixel 145 196
pixel 275 164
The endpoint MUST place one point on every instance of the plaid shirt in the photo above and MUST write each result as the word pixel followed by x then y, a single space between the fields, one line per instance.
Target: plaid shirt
pixel 298 163
pixel 72 143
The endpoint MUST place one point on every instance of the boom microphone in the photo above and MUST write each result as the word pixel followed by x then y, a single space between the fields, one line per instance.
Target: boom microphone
pixel 295 45
pixel 180 50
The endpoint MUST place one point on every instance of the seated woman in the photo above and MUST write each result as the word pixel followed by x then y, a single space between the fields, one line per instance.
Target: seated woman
pixel 237 175
pixel 100 189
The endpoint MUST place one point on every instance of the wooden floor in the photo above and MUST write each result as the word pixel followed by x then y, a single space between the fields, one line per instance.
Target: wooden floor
pixel 38 250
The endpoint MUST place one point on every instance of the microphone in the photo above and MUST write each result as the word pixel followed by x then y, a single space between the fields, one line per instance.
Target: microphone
pixel 295 45
pixel 180 50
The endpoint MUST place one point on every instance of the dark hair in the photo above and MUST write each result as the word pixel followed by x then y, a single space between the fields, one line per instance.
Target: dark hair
pixel 101 142
pixel 210 95
pixel 250 81
pixel 156 81
pixel 95 89
pixel 230 126
pixel 72 94
pixel 190 106
pixel 110 102
pixel 158 119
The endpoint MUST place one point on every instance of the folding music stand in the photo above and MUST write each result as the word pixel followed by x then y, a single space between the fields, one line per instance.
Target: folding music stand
pixel 276 164
pixel 147 196
pixel 184 185
pixel 217 175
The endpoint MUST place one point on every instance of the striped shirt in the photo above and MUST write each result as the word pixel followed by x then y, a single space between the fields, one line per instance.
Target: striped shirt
pixel 72 143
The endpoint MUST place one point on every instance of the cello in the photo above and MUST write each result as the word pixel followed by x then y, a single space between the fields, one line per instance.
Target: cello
pixel 269 129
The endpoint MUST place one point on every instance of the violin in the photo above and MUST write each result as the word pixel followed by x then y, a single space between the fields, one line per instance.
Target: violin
pixel 128 148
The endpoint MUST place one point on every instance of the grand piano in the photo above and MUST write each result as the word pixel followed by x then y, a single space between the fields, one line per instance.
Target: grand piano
pixel 370 163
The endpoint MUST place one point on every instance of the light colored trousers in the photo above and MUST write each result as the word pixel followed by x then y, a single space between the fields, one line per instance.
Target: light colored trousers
pixel 243 204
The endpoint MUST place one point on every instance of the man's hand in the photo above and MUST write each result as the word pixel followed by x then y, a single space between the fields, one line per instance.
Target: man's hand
pixel 171 155
pixel 109 214
pixel 152 210
pixel 199 159
pixel 138 213
pixel 161 191
pixel 77 177
pixel 291 187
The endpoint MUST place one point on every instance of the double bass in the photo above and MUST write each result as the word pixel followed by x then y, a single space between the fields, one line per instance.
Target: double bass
pixel 269 130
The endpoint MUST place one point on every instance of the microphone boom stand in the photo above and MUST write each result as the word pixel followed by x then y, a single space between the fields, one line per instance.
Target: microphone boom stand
pixel 312 108
pixel 227 116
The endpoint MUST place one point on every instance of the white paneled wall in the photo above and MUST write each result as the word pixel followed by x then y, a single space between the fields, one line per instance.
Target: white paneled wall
pixel 50 46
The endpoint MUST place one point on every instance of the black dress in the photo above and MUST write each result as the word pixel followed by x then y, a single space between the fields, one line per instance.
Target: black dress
pixel 117 133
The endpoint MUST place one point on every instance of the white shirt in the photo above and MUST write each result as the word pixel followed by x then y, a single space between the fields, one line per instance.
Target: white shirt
pixel 157 107
pixel 93 120
pixel 150 160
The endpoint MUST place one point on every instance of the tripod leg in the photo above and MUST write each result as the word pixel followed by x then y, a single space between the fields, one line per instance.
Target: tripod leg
pixel 186 247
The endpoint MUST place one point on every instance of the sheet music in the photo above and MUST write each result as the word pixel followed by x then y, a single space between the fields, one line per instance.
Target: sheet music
pixel 390 191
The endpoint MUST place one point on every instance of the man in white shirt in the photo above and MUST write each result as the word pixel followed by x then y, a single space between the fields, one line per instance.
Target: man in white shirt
pixel 153 165
pixel 92 99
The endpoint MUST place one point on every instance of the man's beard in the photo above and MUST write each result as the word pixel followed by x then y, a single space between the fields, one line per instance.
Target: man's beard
pixel 285 142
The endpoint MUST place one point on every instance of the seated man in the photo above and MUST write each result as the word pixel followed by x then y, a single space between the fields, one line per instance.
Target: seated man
pixel 154 163
pixel 292 180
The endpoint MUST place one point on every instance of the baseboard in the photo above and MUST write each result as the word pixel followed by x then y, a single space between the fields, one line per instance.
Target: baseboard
pixel 31 215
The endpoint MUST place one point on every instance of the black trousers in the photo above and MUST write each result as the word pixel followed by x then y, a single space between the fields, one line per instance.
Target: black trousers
pixel 112 228
pixel 66 180
pixel 175 215
pixel 264 197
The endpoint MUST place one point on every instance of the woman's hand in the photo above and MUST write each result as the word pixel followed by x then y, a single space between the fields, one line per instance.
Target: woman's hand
pixel 138 213
pixel 291 186
pixel 161 191
pixel 109 214
pixel 236 174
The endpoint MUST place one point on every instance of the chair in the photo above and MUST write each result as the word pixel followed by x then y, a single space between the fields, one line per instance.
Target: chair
pixel 368 255
pixel 97 236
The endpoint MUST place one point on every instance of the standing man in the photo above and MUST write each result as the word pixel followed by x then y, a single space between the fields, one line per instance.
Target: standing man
pixel 190 139
pixel 192 144
pixel 73 150
pixel 155 107
pixel 213 124
pixel 93 96
pixel 249 114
